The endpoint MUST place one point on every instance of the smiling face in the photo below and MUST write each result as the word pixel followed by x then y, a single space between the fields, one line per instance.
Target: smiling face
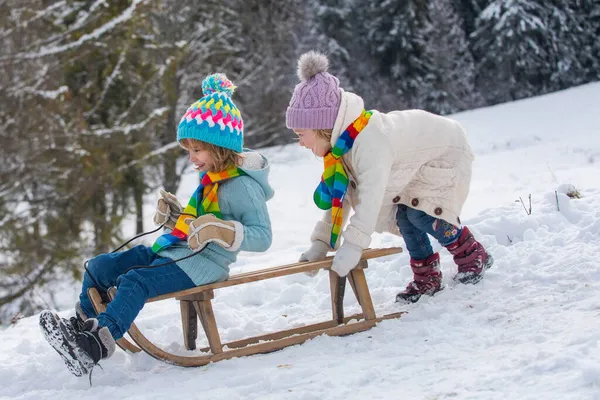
pixel 318 143
pixel 202 159
pixel 208 157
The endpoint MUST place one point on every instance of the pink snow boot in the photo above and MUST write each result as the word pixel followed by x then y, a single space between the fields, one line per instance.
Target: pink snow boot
pixel 427 279
pixel 471 258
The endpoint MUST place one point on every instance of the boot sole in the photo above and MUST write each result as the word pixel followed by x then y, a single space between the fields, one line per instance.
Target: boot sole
pixel 57 335
pixel 413 298
pixel 473 279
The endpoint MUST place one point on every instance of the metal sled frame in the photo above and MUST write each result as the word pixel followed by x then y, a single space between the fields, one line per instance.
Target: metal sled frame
pixel 196 304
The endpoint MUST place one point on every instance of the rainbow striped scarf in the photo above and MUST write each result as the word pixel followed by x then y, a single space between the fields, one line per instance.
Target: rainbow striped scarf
pixel 197 206
pixel 334 181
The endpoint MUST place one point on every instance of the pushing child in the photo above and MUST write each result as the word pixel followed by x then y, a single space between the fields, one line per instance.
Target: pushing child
pixel 226 214
pixel 404 172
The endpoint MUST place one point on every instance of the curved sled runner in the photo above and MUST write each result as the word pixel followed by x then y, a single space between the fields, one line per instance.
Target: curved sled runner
pixel 196 304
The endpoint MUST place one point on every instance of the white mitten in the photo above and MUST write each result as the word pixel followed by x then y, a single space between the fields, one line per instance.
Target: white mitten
pixel 346 258
pixel 316 252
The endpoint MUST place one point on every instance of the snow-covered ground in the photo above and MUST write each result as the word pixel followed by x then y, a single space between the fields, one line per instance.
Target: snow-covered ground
pixel 529 330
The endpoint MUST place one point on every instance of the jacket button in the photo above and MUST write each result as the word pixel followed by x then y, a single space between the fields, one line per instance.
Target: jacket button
pixel 438 211
pixel 353 184
pixel 396 199
pixel 415 202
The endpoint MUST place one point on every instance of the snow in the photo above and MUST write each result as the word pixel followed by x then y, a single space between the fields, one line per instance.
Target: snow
pixel 127 129
pixel 48 94
pixel 98 32
pixel 529 330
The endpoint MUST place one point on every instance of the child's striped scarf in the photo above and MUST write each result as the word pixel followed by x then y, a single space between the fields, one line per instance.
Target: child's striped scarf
pixel 334 181
pixel 204 200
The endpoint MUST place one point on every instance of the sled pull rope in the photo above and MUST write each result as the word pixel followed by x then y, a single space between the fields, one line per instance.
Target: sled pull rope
pixel 85 265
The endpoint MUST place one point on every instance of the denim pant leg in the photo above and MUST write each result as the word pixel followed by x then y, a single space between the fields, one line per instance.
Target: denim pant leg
pixel 417 242
pixel 106 268
pixel 137 286
pixel 444 232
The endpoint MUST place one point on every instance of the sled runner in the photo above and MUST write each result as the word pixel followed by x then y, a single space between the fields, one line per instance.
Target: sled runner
pixel 196 304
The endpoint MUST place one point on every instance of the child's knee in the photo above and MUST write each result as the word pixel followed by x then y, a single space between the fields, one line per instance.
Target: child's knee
pixel 134 281
pixel 97 263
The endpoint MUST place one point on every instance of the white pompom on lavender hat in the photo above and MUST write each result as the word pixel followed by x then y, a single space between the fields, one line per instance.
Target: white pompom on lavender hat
pixel 310 64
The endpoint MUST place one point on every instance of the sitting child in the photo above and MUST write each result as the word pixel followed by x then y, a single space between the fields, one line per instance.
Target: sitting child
pixel 226 214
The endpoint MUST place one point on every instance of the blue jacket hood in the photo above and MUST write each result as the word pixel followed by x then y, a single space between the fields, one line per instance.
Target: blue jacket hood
pixel 257 167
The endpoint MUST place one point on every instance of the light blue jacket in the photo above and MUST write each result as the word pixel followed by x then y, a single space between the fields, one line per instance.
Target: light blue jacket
pixel 242 199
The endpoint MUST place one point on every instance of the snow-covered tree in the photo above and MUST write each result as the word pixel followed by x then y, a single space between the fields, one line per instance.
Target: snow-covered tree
pixel 509 44
pixel 396 39
pixel 525 47
pixel 468 11
pixel 449 85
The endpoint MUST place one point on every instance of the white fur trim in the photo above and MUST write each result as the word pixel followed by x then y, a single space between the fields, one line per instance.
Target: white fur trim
pixel 239 236
pixel 107 341
pixel 221 243
pixel 161 218
pixel 79 311
pixel 356 237
pixel 195 229
pixel 253 161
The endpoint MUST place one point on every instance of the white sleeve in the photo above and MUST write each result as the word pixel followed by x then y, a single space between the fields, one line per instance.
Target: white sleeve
pixel 372 159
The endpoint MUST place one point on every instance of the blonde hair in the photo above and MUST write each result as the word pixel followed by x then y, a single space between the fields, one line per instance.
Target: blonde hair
pixel 223 158
pixel 324 133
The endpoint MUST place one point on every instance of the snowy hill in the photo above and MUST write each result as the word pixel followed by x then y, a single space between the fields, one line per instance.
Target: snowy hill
pixel 529 330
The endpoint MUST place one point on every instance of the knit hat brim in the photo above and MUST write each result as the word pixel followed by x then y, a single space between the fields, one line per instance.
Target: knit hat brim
pixel 313 118
pixel 203 132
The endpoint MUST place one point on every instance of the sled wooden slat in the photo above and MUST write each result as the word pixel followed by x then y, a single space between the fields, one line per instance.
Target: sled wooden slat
pixel 361 291
pixel 189 324
pixel 300 330
pixel 260 275
pixel 195 304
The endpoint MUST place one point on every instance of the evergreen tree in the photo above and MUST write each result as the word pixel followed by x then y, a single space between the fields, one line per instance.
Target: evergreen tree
pixel 396 36
pixel 37 224
pixel 579 36
pixel 450 83
pixel 524 48
pixel 512 50
pixel 468 11
pixel 339 29
pixel 261 65
pixel 568 33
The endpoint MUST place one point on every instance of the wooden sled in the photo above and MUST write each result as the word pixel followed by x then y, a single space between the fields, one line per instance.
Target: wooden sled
pixel 196 304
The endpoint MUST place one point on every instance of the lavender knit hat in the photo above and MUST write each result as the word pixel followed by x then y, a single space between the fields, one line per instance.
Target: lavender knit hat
pixel 316 100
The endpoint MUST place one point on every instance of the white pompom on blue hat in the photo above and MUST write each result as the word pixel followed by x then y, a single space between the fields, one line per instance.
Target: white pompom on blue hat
pixel 214 118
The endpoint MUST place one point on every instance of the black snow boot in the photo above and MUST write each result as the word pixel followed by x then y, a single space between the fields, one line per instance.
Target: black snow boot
pixel 81 349
pixel 75 324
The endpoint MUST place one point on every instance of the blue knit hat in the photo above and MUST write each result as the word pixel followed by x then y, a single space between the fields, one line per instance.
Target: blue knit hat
pixel 214 118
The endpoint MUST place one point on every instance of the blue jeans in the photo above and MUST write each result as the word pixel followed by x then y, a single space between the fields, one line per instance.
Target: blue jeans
pixel 134 286
pixel 414 226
